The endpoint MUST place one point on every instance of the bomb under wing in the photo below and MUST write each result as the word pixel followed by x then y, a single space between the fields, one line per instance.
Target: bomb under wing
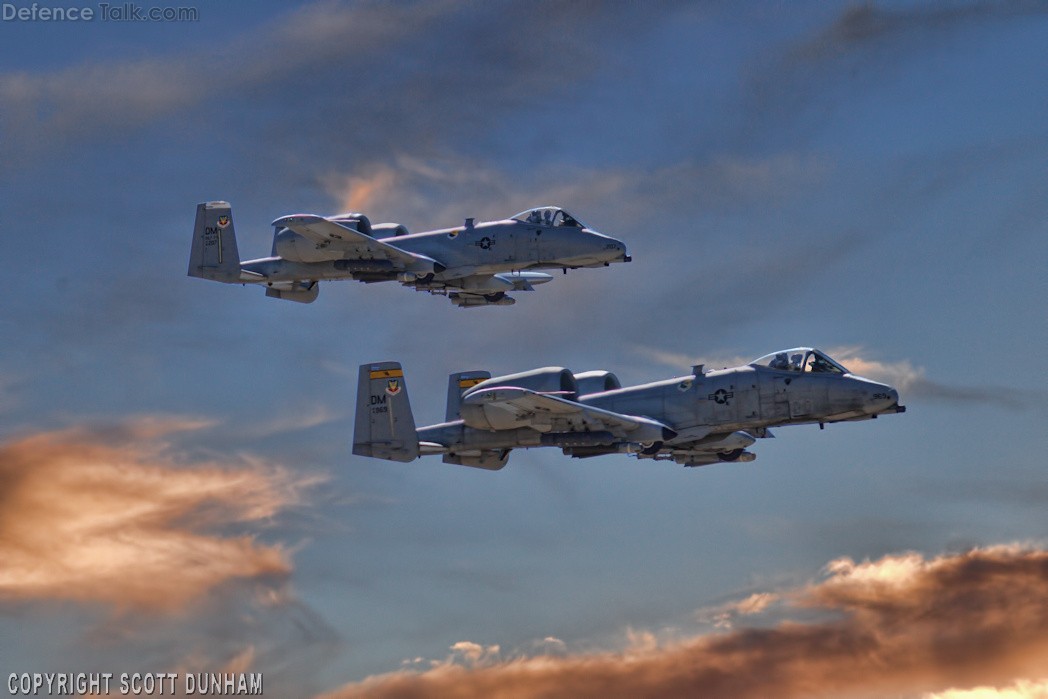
pixel 702 418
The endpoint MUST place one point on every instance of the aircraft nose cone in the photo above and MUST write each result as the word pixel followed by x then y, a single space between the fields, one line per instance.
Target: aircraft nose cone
pixel 620 252
pixel 880 397
pixel 608 249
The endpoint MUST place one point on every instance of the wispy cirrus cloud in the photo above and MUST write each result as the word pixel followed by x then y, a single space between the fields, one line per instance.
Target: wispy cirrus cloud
pixel 111 515
pixel 940 624
pixel 867 23
pixel 682 360
pixel 298 418
pixel 372 50
pixel 53 109
pixel 911 381
pixel 416 189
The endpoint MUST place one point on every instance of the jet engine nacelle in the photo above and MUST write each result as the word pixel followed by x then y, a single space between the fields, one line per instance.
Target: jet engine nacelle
pixel 596 382
pixel 549 379
pixel 386 230
pixel 358 222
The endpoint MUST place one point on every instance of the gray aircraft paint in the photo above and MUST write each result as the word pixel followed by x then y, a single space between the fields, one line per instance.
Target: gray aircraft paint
pixel 694 420
pixel 474 265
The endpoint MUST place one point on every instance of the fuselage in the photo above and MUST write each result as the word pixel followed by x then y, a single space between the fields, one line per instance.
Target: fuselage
pixel 749 397
pixel 745 398
pixel 491 247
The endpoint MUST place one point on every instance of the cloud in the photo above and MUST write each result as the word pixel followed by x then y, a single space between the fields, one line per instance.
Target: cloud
pixel 1023 689
pixel 298 418
pixel 373 53
pixel 649 208
pixel 903 375
pixel 681 361
pixel 472 654
pixel 805 87
pixel 724 616
pixel 416 188
pixel 56 108
pixel 108 514
pixel 8 386
pixel 904 625
pixel 866 23
pixel 912 383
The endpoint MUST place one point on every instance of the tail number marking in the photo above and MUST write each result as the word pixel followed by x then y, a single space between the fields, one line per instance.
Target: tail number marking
pixel 213 237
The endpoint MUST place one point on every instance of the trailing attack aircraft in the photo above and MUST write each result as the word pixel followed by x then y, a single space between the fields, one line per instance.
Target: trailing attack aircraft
pixel 476 264
pixel 695 420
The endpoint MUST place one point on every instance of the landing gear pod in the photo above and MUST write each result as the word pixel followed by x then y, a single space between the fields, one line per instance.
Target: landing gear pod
pixel 300 293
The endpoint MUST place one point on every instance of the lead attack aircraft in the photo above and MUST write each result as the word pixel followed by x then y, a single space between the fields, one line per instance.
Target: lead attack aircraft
pixel 695 420
pixel 476 264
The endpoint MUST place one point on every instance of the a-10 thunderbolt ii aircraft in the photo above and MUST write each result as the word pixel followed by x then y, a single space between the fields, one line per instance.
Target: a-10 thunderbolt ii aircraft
pixel 476 264
pixel 695 420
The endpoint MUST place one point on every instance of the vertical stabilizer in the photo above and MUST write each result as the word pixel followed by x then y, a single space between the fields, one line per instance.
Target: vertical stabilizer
pixel 385 427
pixel 214 253
pixel 457 385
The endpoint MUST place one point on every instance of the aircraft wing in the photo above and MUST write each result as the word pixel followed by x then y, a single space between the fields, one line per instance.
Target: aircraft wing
pixel 357 245
pixel 510 407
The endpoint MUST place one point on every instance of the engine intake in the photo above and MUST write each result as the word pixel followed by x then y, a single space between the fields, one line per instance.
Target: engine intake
pixel 385 230
pixel 359 222
pixel 549 379
pixel 597 382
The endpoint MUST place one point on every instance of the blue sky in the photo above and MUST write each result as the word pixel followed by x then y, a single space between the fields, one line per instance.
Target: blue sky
pixel 869 179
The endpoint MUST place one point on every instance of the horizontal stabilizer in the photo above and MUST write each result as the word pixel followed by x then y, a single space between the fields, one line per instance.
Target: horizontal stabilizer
pixel 430 448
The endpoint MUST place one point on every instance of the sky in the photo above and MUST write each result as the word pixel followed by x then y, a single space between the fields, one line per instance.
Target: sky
pixel 177 491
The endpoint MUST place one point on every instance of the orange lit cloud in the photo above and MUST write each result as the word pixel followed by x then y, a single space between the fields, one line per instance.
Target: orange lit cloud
pixel 902 626
pixel 911 381
pixel 441 191
pixel 108 515
pixel 372 192
pixel 903 375
pixel 1023 689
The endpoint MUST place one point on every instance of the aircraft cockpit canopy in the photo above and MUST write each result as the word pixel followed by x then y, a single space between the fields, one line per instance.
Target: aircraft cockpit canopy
pixel 549 216
pixel 800 359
